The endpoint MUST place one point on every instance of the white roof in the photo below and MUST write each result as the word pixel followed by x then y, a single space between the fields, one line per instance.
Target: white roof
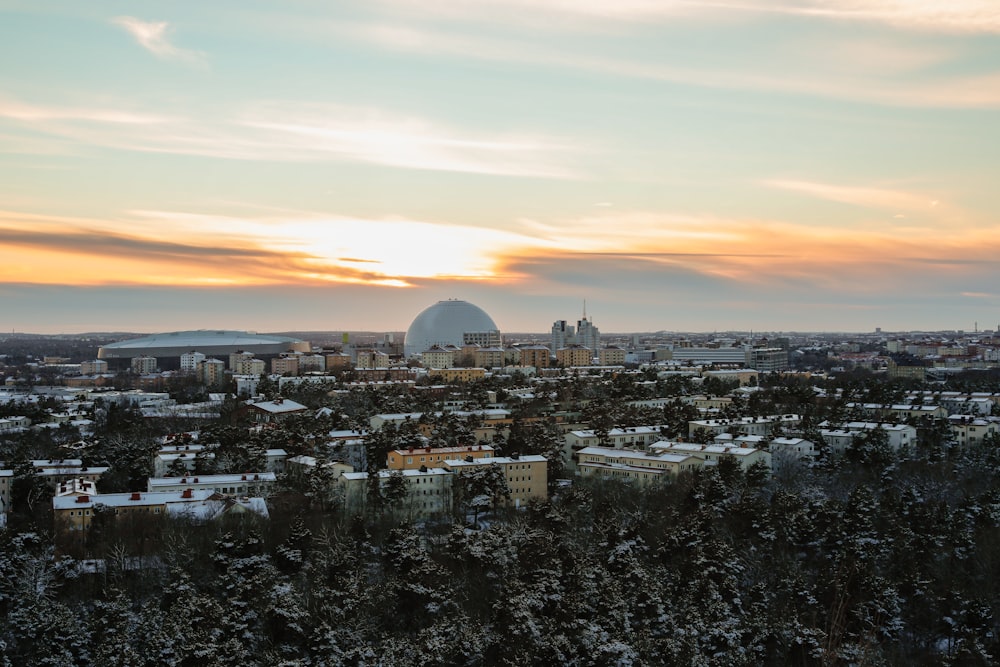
pixel 634 455
pixel 129 499
pixel 695 449
pixel 499 460
pixel 166 482
pixel 279 406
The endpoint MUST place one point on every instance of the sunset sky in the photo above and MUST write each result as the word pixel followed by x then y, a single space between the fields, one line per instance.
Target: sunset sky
pixel 681 165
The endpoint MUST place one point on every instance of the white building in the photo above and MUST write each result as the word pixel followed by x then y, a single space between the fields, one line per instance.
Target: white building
pixel 143 365
pixel 246 484
pixel 191 360
pixel 427 491
pixel 631 465
pixel 840 440
pixel 711 454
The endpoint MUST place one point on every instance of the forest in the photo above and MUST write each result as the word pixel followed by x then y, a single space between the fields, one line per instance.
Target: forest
pixel 847 564
pixel 874 558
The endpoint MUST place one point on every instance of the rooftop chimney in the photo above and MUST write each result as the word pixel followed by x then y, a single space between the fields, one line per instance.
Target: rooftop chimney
pixel 186 493
pixel 83 499
pixel 135 496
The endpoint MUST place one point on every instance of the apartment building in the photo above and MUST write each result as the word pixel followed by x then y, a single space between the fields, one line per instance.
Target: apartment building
pixel 632 465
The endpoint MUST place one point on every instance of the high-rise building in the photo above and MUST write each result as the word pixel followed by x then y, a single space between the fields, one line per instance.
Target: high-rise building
pixel 587 334
pixel 563 334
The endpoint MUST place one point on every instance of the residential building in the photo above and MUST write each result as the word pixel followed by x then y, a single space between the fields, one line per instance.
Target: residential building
pixel 57 471
pixel 370 358
pixel 537 356
pixel 743 425
pixel 839 440
pixel 574 355
pixel 488 357
pixel 712 453
pixel 456 374
pixel 414 458
pixel 245 363
pixel 6 484
pixel 767 359
pixel 212 372
pixel 970 431
pixel 270 412
pixel 427 491
pixel 246 484
pixel 438 357
pixel 94 367
pixel 285 365
pixel 611 356
pixel 312 363
pixel 527 476
pixel 143 365
pixel 190 361
pixel 633 465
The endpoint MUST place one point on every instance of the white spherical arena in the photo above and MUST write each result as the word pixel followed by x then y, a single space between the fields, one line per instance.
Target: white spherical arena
pixel 451 322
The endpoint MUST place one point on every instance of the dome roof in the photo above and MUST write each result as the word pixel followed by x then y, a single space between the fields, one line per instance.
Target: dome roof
pixel 176 343
pixel 446 323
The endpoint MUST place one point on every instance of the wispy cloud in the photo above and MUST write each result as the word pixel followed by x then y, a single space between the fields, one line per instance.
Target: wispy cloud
pixel 870 197
pixel 870 80
pixel 974 16
pixel 154 37
pixel 302 132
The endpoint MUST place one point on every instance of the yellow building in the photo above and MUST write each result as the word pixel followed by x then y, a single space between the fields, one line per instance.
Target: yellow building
pixel 415 458
pixel 611 356
pixel 285 365
pixel 488 357
pixel 527 476
pixel 371 359
pixel 438 357
pixel 537 356
pixel 575 355
pixel 456 374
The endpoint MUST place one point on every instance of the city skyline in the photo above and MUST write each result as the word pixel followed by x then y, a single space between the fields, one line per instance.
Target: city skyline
pixel 823 165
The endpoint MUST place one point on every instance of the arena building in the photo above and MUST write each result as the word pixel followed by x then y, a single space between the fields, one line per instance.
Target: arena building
pixel 168 347
pixel 451 322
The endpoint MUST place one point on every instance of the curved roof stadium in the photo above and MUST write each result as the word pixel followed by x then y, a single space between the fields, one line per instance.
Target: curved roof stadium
pixel 209 342
pixel 451 322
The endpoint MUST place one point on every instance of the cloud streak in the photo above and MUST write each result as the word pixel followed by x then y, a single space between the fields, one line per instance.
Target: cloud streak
pixel 154 37
pixel 949 16
pixel 862 83
pixel 300 132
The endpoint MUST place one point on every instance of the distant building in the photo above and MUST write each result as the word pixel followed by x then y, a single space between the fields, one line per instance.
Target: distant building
pixel 537 356
pixel 285 365
pixel 574 355
pixel 212 372
pixel 190 361
pixel 143 365
pixel 276 410
pixel 94 367
pixel 611 356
